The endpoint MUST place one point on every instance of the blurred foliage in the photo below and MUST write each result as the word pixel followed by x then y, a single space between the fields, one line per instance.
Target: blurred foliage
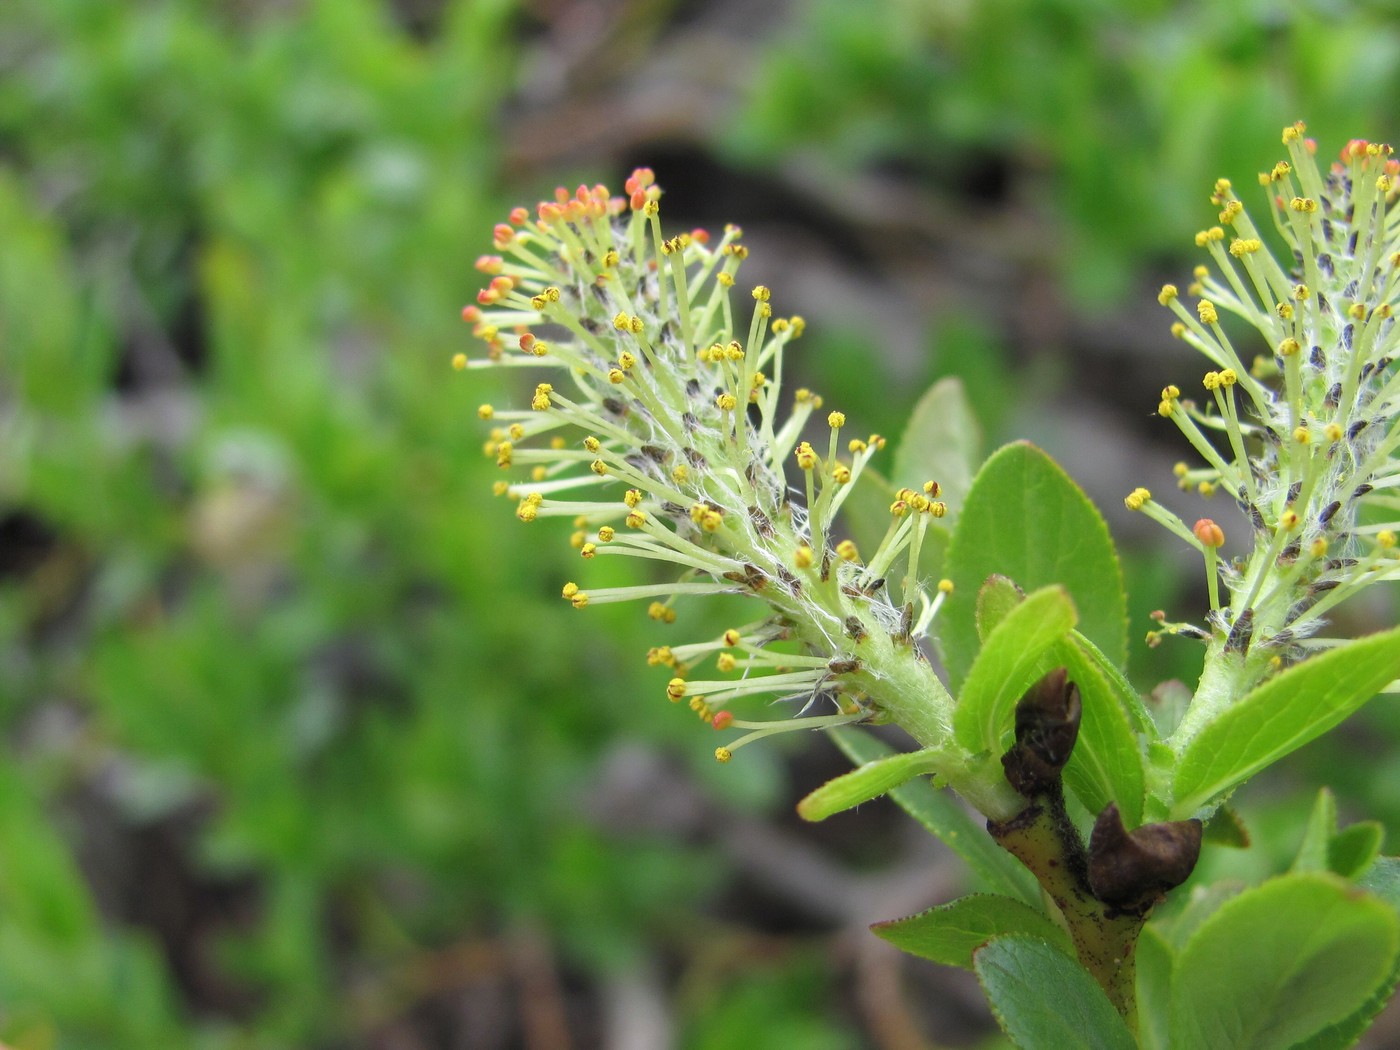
pixel 293 715
pixel 1130 110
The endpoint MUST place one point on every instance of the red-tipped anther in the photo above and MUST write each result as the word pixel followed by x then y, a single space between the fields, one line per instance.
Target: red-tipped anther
pixel 502 235
pixel 503 284
pixel 1209 533
pixel 700 235
pixel 1392 167
pixel 1354 148
pixel 722 719
pixel 561 194
pixel 519 216
pixel 581 194
pixel 600 193
pixel 550 213
pixel 526 341
pixel 1311 146
pixel 488 296
pixel 489 263
pixel 471 314
pixel 638 200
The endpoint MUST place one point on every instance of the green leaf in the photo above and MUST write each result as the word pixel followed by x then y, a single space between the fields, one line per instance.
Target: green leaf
pixel 942 441
pixel 1106 763
pixel 1008 665
pixel 1317 833
pixel 1281 962
pixel 1282 715
pixel 950 933
pixel 1042 998
pixel 946 819
pixel 997 597
pixel 1345 1033
pixel 1025 519
pixel 1226 828
pixel 1129 699
pixel 1354 848
pixel 1383 879
pixel 1155 963
pixel 868 781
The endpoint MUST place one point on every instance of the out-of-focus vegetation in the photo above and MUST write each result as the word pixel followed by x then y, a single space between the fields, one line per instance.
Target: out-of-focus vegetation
pixel 301 748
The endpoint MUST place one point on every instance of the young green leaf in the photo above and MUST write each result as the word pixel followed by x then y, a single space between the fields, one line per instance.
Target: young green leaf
pixel 1282 715
pixel 942 441
pixel 950 933
pixel 1007 666
pixel 1353 849
pixel 943 817
pixel 1026 519
pixel 867 781
pixel 1321 826
pixel 1106 764
pixel 1281 962
pixel 1043 998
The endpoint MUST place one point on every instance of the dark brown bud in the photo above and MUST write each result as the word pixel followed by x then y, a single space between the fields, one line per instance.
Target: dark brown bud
pixel 1047 725
pixel 1132 871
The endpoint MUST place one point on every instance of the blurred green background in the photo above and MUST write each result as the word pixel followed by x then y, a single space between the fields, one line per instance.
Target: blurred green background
pixel 301 749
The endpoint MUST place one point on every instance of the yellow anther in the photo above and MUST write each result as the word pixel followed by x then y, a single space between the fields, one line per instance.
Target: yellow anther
pixel 661 612
pixel 636 519
pixel 1384 183
pixel 1302 435
pixel 1304 205
pixel 459 362
pixel 711 520
pixel 938 508
pixel 1211 380
pixel 856 446
pixel 540 401
pixel 577 539
pixel 1284 310
pixel 802 395
pixel 1241 247
pixel 1357 311
pixel 598 467
pixel 1301 292
pixel 651 209
pixel 606 534
pixel 1385 539
pixel 1333 431
pixel 636 326
pixel 500 488
pixel 527 511
pixel 1167 294
pixel 632 497
pixel 1288 520
pixel 579 600
pixel 621 321
pixel 723 754
pixel 1179 469
pixel 802 557
pixel 806 457
pixel 1289 347
pixel 485 411
pixel 675 689
pixel 1202 238
pixel 503 454
pixel 1230 213
pixel 1205 309
pixel 731 637
pixel 1206 489
pixel 539 472
pixel 625 361
pixel 680 473
pixel 588 550
pixel 592 444
pixel 846 551
pixel 841 474
pixel 725 279
pixel 1201 273
pixel 918 502
pixel 726 662
pixel 734 351
pixel 1318 547
pixel 726 402
pixel 761 293
pixel 836 420
pixel 1135 499
pixel 1280 171
pixel 945 586
pixel 539 348
pixel 516 431
pixel 1228 378
pixel 1293 132
pixel 570 589
pixel 899 508
pixel 1178 330
pixel 610 259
